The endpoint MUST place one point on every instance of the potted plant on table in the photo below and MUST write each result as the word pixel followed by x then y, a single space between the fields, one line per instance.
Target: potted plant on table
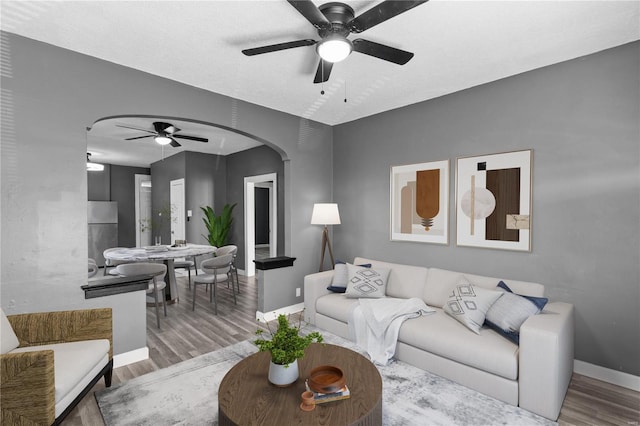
pixel 286 346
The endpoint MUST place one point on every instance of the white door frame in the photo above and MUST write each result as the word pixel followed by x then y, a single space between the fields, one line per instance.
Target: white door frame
pixel 138 181
pixel 250 218
pixel 177 209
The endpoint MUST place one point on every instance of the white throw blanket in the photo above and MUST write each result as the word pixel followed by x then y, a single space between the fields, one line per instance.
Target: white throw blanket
pixel 374 324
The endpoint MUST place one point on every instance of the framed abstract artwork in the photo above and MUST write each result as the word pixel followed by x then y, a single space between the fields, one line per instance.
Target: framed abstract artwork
pixel 420 202
pixel 493 201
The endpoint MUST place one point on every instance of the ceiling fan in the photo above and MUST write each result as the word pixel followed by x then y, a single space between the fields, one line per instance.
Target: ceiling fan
pixel 334 22
pixel 163 133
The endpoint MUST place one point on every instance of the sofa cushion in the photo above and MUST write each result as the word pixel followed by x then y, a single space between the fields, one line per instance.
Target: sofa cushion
pixel 335 305
pixel 8 339
pixel 366 282
pixel 469 304
pixel 443 336
pixel 508 313
pixel 405 281
pixel 73 361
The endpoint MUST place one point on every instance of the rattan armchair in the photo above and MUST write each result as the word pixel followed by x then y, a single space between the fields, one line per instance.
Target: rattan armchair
pixel 27 379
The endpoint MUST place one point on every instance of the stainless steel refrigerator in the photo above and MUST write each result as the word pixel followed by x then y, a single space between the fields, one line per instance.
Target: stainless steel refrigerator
pixel 103 228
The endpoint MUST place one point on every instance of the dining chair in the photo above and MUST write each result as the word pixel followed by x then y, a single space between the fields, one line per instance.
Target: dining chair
pixel 156 287
pixel 112 263
pixel 92 269
pixel 217 269
pixel 230 249
pixel 186 264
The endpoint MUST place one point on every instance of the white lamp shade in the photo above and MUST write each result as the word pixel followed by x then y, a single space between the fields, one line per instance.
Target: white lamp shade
pixel 325 214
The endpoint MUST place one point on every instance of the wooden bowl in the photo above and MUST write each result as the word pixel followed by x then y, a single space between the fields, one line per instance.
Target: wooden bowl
pixel 326 379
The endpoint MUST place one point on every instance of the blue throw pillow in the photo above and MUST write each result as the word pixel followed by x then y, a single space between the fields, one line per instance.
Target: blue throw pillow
pixel 341 276
pixel 508 313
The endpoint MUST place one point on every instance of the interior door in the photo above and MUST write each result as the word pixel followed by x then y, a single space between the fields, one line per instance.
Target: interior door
pixel 178 231
pixel 143 210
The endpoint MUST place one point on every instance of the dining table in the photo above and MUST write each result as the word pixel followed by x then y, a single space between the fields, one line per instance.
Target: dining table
pixel 166 254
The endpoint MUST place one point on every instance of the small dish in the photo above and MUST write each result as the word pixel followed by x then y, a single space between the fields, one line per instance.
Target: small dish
pixel 326 379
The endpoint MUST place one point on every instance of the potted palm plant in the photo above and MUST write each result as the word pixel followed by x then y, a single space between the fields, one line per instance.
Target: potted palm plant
pixel 218 226
pixel 286 346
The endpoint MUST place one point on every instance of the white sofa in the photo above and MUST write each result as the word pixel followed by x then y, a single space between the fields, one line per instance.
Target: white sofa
pixel 534 375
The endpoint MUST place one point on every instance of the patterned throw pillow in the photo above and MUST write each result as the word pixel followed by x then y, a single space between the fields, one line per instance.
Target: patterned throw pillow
pixel 511 311
pixel 366 282
pixel 341 276
pixel 469 304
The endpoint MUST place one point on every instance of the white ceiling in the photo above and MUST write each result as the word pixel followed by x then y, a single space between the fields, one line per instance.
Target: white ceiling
pixel 457 45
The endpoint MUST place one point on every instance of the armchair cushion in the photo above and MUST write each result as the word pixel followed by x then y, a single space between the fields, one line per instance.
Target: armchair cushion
pixel 73 363
pixel 8 339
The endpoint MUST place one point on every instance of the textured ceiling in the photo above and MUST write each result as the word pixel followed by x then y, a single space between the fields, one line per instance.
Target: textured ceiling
pixel 457 45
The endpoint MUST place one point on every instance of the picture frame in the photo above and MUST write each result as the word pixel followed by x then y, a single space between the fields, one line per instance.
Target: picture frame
pixel 494 201
pixel 419 202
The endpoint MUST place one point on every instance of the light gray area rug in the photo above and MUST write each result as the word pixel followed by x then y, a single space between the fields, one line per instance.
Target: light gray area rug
pixel 187 394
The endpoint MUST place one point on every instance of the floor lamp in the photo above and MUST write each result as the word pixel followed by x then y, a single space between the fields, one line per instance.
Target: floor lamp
pixel 325 214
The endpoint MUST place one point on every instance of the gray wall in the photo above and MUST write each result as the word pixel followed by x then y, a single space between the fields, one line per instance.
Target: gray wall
pixel 254 162
pixel 123 190
pixel 581 120
pixel 49 96
pixel 205 186
pixel 99 184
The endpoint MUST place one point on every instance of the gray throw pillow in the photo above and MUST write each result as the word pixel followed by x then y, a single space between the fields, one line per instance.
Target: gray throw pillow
pixel 366 282
pixel 469 304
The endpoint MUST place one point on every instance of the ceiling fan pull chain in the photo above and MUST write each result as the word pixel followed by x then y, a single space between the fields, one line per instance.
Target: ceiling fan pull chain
pixel 322 74
pixel 345 92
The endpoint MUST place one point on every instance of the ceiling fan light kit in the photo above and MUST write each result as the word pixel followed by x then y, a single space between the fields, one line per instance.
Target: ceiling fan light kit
pixel 163 139
pixel 93 167
pixel 335 22
pixel 334 49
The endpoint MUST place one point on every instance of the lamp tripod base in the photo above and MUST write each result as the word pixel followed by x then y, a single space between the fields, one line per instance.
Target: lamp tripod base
pixel 326 242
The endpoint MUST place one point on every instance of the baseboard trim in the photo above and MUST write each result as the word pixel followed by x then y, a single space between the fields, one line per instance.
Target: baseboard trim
pixel 608 375
pixel 287 310
pixel 130 357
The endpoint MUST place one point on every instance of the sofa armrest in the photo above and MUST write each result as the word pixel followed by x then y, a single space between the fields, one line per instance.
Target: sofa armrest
pixel 27 388
pixel 44 328
pixel 315 285
pixel 546 359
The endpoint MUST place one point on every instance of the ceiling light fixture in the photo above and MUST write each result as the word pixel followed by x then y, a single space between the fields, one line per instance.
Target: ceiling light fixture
pixel 93 167
pixel 162 139
pixel 334 48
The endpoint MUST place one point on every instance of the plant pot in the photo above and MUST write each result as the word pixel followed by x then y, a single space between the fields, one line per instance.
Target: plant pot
pixel 282 376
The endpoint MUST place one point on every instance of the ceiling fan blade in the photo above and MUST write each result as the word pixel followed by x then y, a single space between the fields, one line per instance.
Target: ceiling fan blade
pixel 134 128
pixel 323 72
pixel 191 138
pixel 380 13
pixel 311 12
pixel 279 46
pixel 140 137
pixel 174 143
pixel 381 51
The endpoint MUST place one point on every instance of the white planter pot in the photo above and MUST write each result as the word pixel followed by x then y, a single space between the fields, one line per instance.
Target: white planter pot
pixel 282 376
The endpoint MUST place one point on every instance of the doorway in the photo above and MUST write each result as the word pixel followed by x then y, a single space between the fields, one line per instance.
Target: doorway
pixel 250 183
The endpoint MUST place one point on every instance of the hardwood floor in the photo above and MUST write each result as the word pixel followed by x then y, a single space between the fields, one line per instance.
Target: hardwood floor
pixel 185 334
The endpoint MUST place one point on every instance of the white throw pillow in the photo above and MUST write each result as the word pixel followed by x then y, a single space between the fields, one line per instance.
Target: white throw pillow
pixel 366 282
pixel 469 304
pixel 8 340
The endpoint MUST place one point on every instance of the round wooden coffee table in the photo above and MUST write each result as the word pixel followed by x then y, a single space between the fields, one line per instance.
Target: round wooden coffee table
pixel 246 397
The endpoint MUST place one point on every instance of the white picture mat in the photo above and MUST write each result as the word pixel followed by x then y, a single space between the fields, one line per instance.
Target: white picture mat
pixel 465 168
pixel 439 231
